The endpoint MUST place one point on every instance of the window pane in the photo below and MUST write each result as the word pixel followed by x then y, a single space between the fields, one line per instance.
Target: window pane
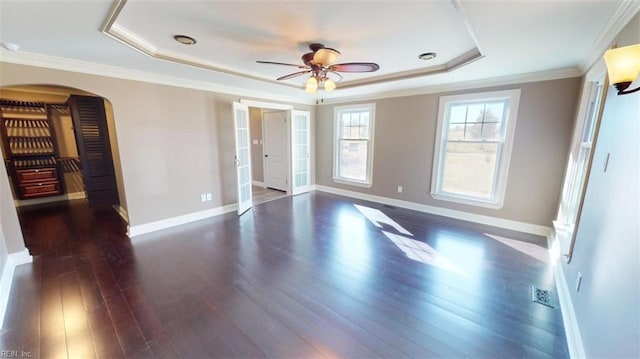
pixel 355 125
pixel 475 112
pixel 364 125
pixel 456 132
pixel 458 114
pixel 353 159
pixel 301 179
pixel 473 132
pixel 492 131
pixel 469 169
pixel 494 112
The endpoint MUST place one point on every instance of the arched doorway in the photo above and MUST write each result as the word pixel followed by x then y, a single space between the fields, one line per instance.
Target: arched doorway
pixel 59 145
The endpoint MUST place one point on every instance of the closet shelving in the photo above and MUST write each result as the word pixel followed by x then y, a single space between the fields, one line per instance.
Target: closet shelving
pixel 30 145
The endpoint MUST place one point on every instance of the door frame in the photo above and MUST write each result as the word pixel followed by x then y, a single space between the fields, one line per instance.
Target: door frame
pixel 289 110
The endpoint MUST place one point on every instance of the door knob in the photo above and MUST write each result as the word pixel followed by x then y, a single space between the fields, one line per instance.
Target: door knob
pixel 266 155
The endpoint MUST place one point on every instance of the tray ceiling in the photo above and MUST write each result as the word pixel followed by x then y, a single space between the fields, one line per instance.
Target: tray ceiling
pixel 474 40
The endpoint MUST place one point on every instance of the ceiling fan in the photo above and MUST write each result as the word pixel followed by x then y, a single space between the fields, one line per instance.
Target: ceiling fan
pixel 320 64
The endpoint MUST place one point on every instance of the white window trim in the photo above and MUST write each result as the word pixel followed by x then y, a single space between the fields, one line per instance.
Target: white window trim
pixel 504 155
pixel 371 107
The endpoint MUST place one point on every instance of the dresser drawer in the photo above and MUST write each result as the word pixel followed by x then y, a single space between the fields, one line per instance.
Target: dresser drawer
pixel 36 175
pixel 38 189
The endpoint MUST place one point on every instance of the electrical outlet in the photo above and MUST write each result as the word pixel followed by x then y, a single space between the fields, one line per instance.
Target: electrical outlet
pixel 208 196
pixel 399 189
pixel 203 197
pixel 578 281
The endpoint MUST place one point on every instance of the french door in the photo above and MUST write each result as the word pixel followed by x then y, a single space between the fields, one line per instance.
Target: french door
pixel 243 156
pixel 300 151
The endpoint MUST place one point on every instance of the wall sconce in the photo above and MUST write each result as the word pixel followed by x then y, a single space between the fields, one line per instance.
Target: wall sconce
pixel 623 67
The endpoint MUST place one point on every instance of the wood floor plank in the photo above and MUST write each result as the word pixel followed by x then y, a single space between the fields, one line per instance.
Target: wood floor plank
pixel 21 330
pixel 53 342
pixel 78 336
pixel 104 335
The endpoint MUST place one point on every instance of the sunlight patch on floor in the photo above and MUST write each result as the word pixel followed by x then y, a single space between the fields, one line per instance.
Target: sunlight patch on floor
pixel 413 249
pixel 532 250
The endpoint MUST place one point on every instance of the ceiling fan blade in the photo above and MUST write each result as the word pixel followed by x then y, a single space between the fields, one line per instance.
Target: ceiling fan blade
pixel 336 74
pixel 355 67
pixel 295 74
pixel 281 63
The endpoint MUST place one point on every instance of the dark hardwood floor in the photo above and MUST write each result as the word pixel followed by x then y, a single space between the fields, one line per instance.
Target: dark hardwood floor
pixel 314 275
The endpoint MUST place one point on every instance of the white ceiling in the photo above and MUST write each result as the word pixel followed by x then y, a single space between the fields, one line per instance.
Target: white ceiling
pixel 505 38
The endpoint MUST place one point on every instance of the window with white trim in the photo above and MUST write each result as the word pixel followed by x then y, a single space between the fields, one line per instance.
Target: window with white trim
pixel 353 145
pixel 474 138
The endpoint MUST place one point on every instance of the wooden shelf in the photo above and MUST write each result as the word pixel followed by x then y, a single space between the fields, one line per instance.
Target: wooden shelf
pixel 29 140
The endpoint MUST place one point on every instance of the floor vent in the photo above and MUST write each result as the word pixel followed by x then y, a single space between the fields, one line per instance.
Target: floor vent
pixel 541 296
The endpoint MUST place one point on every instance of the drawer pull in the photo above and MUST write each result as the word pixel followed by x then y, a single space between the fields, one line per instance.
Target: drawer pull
pixel 39 184
pixel 37 171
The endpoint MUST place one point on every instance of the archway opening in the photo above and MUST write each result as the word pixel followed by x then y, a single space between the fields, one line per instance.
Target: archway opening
pixel 59 145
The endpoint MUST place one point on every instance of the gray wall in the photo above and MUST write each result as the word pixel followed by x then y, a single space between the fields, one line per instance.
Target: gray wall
pixel 9 224
pixel 404 144
pixel 174 143
pixel 607 250
pixel 255 117
pixel 3 252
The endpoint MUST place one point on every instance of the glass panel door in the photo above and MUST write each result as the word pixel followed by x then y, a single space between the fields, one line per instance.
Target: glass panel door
pixel 300 145
pixel 243 156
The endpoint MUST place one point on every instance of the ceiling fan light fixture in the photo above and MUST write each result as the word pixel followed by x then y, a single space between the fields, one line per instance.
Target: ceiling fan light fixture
pixel 427 56
pixel 325 56
pixel 312 85
pixel 329 85
pixel 184 39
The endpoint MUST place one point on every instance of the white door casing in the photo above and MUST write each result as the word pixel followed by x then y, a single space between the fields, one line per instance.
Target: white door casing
pixel 275 150
pixel 243 156
pixel 300 152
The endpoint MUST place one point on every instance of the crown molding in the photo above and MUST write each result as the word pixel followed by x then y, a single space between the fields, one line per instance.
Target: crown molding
pixel 456 63
pixel 84 67
pixel 30 59
pixel 621 17
pixel 464 85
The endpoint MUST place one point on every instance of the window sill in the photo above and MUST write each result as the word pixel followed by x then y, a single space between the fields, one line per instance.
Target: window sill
pixel 467 201
pixel 352 183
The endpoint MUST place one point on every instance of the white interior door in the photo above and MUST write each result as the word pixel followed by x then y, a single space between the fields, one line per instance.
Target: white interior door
pixel 300 147
pixel 243 156
pixel 274 127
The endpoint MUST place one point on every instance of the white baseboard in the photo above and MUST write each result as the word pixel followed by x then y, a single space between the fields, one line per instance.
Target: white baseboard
pixel 51 199
pixel 571 328
pixel 465 216
pixel 176 221
pixel 258 183
pixel 13 260
pixel 122 212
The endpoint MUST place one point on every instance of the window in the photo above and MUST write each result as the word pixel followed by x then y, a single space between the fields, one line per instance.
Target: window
pixel 353 148
pixel 473 146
